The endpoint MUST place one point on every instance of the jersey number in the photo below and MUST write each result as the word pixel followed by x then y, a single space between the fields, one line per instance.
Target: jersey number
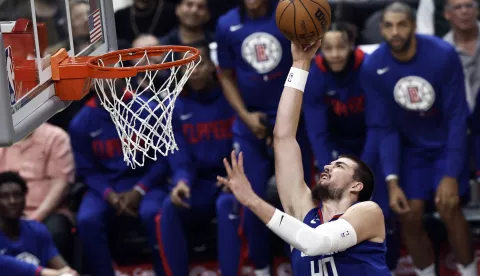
pixel 320 267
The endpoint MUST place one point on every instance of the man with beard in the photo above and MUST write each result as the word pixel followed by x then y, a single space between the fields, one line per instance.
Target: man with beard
pixel 342 230
pixel 417 119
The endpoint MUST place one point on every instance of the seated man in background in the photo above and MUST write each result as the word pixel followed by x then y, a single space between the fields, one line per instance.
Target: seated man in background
pixel 205 118
pixel 114 188
pixel 45 160
pixel 25 240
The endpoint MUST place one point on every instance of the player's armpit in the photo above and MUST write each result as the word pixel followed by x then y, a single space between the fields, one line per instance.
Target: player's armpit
pixel 367 220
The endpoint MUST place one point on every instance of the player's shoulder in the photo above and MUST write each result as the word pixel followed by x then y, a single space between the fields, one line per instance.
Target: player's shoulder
pixel 366 207
pixel 34 228
pixel 434 42
pixel 377 58
pixel 231 17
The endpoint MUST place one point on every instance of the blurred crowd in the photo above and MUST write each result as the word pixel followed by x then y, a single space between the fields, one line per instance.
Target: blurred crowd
pixel 69 176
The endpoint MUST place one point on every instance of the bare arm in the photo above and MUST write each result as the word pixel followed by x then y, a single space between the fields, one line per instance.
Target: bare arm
pixel 54 198
pixel 231 92
pixel 367 220
pixel 294 193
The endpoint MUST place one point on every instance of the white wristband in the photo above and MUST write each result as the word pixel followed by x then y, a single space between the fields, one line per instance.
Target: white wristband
pixel 297 79
pixel 391 177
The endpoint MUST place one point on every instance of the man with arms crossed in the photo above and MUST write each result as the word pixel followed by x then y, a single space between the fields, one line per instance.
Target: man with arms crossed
pixel 337 236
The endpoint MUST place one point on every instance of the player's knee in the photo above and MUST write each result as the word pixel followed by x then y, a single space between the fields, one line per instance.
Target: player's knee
pixel 412 219
pixel 89 222
pixel 224 203
pixel 448 211
pixel 149 211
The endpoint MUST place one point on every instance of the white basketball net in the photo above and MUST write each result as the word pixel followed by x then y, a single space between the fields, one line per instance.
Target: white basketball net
pixel 141 108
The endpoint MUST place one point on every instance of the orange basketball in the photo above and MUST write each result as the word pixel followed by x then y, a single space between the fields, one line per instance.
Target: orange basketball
pixel 304 21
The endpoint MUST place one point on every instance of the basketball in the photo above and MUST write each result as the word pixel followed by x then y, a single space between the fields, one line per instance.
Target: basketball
pixel 304 21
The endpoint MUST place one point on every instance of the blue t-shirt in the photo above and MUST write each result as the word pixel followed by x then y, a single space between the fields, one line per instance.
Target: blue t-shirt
pixel 34 246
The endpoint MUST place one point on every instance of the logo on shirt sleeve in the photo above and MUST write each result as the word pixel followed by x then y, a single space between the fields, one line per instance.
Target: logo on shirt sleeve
pixel 262 51
pixel 28 258
pixel 414 93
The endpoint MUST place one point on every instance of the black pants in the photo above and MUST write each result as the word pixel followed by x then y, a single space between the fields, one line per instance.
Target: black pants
pixel 60 227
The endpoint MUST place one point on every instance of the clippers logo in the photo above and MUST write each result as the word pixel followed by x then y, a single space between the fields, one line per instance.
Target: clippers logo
pixel 414 93
pixel 262 51
pixel 290 77
pixel 10 74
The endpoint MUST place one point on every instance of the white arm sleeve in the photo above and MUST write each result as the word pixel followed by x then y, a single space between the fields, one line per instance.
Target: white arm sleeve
pixel 328 237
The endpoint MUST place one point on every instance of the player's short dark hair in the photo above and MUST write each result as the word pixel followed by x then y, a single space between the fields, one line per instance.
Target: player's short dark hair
pixel 399 7
pixel 363 174
pixel 13 177
pixel 343 28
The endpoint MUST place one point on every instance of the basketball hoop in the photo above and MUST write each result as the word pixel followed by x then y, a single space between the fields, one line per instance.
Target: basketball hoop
pixel 136 88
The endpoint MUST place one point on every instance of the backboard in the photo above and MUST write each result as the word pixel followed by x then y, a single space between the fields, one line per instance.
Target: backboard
pixel 31 32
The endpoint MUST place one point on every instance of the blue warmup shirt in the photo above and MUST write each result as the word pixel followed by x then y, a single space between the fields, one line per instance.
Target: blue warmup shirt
pixel 34 246
pixel 419 104
pixel 334 108
pixel 205 120
pixel 258 53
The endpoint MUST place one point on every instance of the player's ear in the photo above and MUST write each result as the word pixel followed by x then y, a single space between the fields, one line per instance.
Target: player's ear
pixel 357 186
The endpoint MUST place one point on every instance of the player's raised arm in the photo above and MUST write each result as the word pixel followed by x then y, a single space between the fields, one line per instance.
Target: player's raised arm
pixel 294 193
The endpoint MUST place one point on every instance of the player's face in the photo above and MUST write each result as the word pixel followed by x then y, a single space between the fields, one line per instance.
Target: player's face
pixel 462 14
pixel 12 201
pixel 335 180
pixel 254 4
pixel 398 30
pixel 336 49
pixel 193 13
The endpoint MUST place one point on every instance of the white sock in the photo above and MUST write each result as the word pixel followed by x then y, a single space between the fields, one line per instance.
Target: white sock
pixel 427 271
pixel 262 272
pixel 468 270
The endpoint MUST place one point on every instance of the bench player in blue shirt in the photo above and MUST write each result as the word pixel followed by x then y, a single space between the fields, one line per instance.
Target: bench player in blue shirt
pixel 333 229
pixel 26 246
pixel 417 114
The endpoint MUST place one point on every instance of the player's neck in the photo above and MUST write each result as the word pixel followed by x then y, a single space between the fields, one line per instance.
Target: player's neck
pixel 256 13
pixel 11 228
pixel 466 35
pixel 189 35
pixel 409 53
pixel 330 208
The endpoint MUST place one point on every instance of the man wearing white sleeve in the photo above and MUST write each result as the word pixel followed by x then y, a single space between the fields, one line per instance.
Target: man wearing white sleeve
pixel 333 229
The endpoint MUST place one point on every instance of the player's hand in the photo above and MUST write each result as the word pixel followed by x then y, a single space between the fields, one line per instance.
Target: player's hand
pixel 180 193
pixel 132 200
pixel 118 203
pixel 66 271
pixel 236 179
pixel 398 200
pixel 447 195
pixel 304 53
pixel 254 121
